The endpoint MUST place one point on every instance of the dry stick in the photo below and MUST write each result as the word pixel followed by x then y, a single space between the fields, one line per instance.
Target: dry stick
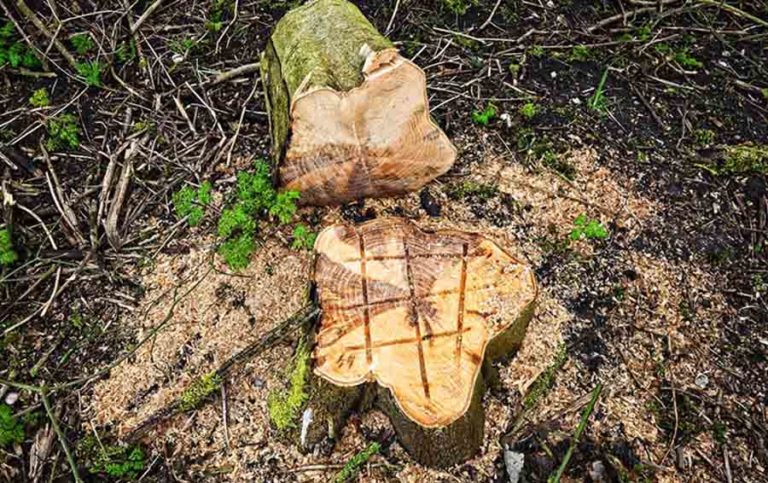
pixel 59 433
pixel 145 16
pixel 621 16
pixel 275 335
pixel 240 123
pixel 490 17
pixel 236 72
pixel 735 11
pixel 392 18
pixel 113 234
pixel 27 12
pixel 577 435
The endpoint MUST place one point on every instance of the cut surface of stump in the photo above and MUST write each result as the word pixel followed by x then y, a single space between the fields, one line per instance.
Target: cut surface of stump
pixel 415 312
pixel 349 116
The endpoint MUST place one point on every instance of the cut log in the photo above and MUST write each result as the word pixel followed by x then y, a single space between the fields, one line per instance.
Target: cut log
pixel 349 116
pixel 417 315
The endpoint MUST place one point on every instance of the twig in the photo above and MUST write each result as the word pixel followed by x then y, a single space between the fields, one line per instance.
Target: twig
pixel 236 72
pixel 62 439
pixel 135 28
pixel 27 12
pixel 490 17
pixel 392 18
pixel 577 435
pixel 240 123
pixel 736 11
pixel 113 234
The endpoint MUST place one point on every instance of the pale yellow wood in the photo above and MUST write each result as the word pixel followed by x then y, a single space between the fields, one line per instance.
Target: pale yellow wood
pixel 414 311
pixel 375 140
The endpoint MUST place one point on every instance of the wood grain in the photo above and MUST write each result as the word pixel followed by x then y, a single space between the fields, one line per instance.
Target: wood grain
pixel 414 311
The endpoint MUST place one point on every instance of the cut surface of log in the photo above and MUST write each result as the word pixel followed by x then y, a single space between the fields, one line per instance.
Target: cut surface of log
pixel 415 312
pixel 349 116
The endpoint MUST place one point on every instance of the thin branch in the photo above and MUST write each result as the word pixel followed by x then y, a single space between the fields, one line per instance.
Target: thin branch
pixel 32 17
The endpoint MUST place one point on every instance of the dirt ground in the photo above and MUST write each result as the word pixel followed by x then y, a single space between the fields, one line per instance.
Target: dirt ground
pixel 111 317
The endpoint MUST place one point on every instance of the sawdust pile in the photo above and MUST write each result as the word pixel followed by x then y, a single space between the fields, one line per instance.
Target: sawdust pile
pixel 224 313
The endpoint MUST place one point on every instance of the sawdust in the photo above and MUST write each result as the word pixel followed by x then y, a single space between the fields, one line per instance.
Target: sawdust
pixel 225 312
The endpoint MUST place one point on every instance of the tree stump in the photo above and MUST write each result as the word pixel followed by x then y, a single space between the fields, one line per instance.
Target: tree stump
pixel 349 116
pixel 414 316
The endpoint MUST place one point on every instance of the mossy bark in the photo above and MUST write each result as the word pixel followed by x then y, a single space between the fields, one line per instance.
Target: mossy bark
pixel 318 44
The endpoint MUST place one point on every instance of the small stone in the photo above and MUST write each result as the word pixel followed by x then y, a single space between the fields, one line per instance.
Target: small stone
pixel 514 462
pixel 597 472
pixel 702 380
pixel 177 58
pixel 553 74
pixel 11 398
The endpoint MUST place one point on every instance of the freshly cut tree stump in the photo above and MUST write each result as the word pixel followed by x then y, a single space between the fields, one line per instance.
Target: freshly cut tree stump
pixel 416 315
pixel 349 116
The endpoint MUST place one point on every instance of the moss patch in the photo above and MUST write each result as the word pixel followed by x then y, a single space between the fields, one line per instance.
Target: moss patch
pixel 200 389
pixel 285 405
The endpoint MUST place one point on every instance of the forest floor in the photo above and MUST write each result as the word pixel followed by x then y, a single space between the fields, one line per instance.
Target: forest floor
pixel 619 147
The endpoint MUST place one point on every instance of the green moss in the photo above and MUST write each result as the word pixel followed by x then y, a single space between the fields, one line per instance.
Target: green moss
pixel 63 132
pixel 484 117
pixel 8 255
pixel 11 429
pixel 746 158
pixel 285 405
pixel 303 238
pixel 40 98
pixel 529 110
pixel 472 189
pixel 91 72
pixel 352 467
pixel 14 52
pixel 543 384
pixel 458 7
pixel 198 391
pixel 580 53
pixel 82 43
pixel 704 137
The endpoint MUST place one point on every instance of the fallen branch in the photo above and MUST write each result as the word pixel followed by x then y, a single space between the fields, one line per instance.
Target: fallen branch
pixel 236 72
pixel 145 16
pixel 204 386
pixel 32 17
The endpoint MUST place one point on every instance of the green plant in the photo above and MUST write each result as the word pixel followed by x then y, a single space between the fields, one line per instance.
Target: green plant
pixel 484 117
pixel 126 52
pixel 459 7
pixel 119 462
pixel 746 158
pixel 215 20
pixel 597 102
pixel 285 405
pixel 40 98
pixel 472 189
pixel 11 429
pixel 303 238
pixel 555 478
pixel 198 391
pixel 542 385
pixel 91 72
pixel 13 52
pixel 256 199
pixel 580 53
pixel 588 229
pixel 8 255
pixel 182 46
pixel 82 43
pixel 352 467
pixel 529 110
pixel 704 137
pixel 764 92
pixel 537 51
pixel 191 202
pixel 63 132
pixel 683 58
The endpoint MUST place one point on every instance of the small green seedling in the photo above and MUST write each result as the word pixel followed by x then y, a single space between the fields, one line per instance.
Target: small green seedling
pixel 585 228
pixel 303 238
pixel 118 462
pixel 685 59
pixel 597 103
pixel 529 110
pixel 91 72
pixel 537 51
pixel 764 92
pixel 704 137
pixel 189 202
pixel 182 46
pixel 543 384
pixel 484 117
pixel 82 43
pixel 40 98
pixel 8 255
pixel 458 7
pixel 746 158
pixel 352 467
pixel 63 132
pixel 285 406
pixel 126 52
pixel 11 429
pixel 580 53
pixel 256 199
pixel 13 52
